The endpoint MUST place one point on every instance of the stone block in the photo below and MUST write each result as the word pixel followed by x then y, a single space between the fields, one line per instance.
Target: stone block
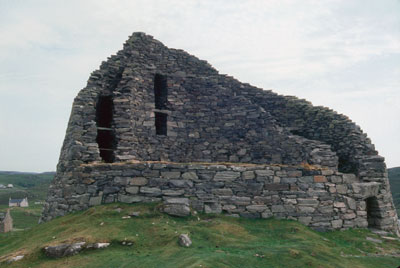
pixel 129 198
pixel 95 200
pixel 288 180
pixel 304 209
pixel 320 178
pixel 171 174
pixel 366 189
pixel 226 176
pixel 169 192
pixel 178 210
pixel 222 191
pixel 276 187
pixel 137 181
pixel 349 178
pixel 213 207
pixel 306 179
pixel 256 208
pixel 278 208
pixel 248 175
pixel 336 224
pixel 151 191
pixel 308 202
pixel 339 204
pixel 264 173
pixel 132 189
pixel 240 200
pixel 351 203
pixel 181 201
pixel 190 175
pixel 181 183
pixel 349 216
pixel 341 188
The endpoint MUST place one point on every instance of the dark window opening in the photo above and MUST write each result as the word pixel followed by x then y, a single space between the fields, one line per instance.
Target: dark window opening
pixel 105 134
pixel 373 212
pixel 346 166
pixel 161 123
pixel 160 91
pixel 104 111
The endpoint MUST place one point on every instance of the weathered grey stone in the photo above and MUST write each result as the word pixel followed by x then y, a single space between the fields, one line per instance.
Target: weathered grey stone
pixel 171 174
pixel 248 175
pixel 95 200
pixel 152 191
pixel 138 181
pixel 278 208
pixel 129 198
pixel 132 189
pixel 212 207
pixel 181 201
pixel 226 176
pixel 64 250
pixel 256 208
pixel 190 176
pixel 337 224
pixel 304 209
pixel 366 189
pixel 179 210
pixel 184 240
pixel 173 192
pixel 276 187
pixel 181 183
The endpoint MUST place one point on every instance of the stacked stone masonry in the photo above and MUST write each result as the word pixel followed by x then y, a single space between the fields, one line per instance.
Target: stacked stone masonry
pixel 152 103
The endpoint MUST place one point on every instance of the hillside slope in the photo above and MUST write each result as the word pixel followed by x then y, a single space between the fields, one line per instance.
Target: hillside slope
pixel 394 179
pixel 218 241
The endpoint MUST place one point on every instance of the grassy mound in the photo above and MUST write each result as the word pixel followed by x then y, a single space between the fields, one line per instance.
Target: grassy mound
pixel 218 241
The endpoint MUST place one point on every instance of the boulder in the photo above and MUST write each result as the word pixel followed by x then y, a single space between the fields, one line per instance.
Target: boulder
pixel 64 250
pixel 184 240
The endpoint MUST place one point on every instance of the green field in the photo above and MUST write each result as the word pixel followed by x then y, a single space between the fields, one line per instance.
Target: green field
pixel 31 185
pixel 218 241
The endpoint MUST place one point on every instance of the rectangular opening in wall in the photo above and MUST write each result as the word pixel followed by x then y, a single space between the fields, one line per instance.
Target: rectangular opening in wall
pixel 161 123
pixel 104 111
pixel 105 134
pixel 160 91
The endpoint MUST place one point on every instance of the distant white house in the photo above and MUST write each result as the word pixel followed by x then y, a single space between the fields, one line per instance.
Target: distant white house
pixel 18 202
pixel 10 185
pixel 2 186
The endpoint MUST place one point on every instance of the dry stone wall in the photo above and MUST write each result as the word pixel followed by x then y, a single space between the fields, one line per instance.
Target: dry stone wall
pixel 152 103
pixel 320 198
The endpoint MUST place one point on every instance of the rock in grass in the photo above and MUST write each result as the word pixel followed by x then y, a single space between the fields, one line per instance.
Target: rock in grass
pixel 64 250
pixel 184 240
pixel 97 245
pixel 16 258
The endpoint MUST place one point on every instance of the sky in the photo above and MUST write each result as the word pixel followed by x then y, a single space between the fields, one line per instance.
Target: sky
pixel 341 54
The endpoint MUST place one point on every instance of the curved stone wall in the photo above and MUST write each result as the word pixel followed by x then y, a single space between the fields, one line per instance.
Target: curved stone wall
pixel 320 198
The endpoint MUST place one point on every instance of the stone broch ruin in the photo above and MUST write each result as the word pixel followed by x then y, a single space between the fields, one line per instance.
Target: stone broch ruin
pixel 156 124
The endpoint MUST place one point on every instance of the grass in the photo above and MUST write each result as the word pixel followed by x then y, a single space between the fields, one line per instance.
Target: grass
pixel 218 241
